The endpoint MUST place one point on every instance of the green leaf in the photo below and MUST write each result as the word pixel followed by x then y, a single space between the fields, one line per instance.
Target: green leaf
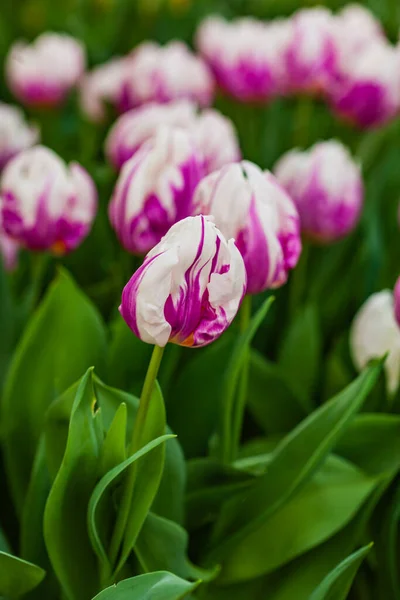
pixel 300 354
pixel 271 399
pixel 33 547
pixel 113 451
pixel 194 401
pixel 64 337
pixel 294 461
pixel 162 546
pixel 65 530
pixel 7 325
pixel 17 576
pixel 151 586
pixel 362 443
pixel 321 508
pixel 105 485
pixel 337 584
pixel 209 484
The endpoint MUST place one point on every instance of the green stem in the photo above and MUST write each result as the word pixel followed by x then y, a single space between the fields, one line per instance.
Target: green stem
pixel 240 405
pixel 299 281
pixel 135 445
pixel 302 123
pixel 39 262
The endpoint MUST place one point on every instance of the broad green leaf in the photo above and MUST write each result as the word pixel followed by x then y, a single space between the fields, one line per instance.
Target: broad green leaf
pixel 162 546
pixel 271 400
pixel 322 507
pixel 294 461
pixel 302 576
pixel 17 576
pixel 65 529
pixel 64 337
pixel 151 586
pixel 4 545
pixel 337 584
pixel 101 498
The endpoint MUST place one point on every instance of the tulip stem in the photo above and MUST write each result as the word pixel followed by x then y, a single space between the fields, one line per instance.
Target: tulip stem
pixel 39 263
pixel 135 444
pixel 240 405
pixel 299 281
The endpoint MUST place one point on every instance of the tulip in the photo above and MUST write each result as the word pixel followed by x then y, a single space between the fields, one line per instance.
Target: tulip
pixel 139 125
pixel 188 289
pixel 103 86
pixel 251 207
pixel 366 88
pixel 45 204
pixel 162 74
pixel 216 138
pixel 246 56
pixel 311 54
pixel 374 333
pixel 8 252
pixel 326 186
pixel 154 189
pixel 15 133
pixel 355 27
pixel 42 73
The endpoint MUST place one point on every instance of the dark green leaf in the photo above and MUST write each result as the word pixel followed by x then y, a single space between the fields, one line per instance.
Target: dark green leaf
pixel 151 586
pixel 271 400
pixel 63 339
pixel 65 530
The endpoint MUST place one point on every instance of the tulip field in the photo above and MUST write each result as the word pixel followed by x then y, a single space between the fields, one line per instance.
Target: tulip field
pixel 200 300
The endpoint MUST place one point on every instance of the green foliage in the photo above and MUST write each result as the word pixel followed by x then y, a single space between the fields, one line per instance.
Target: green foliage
pixel 152 586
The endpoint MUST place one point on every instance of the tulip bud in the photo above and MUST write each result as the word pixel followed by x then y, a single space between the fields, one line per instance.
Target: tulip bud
pixel 366 87
pixel 374 333
pixel 139 125
pixel 8 252
pixel 188 289
pixel 15 133
pixel 216 138
pixel 104 86
pixel 45 204
pixel 326 186
pixel 42 73
pixel 246 56
pixel 154 189
pixel 311 53
pixel 251 207
pixel 162 74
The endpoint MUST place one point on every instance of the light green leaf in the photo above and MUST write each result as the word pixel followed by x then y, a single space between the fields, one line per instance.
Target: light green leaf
pixel 337 584
pixel 294 461
pixel 113 451
pixel 17 576
pixel 64 337
pixel 65 530
pixel 151 586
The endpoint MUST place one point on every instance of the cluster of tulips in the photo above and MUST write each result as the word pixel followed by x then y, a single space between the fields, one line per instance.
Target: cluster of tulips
pixel 211 227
